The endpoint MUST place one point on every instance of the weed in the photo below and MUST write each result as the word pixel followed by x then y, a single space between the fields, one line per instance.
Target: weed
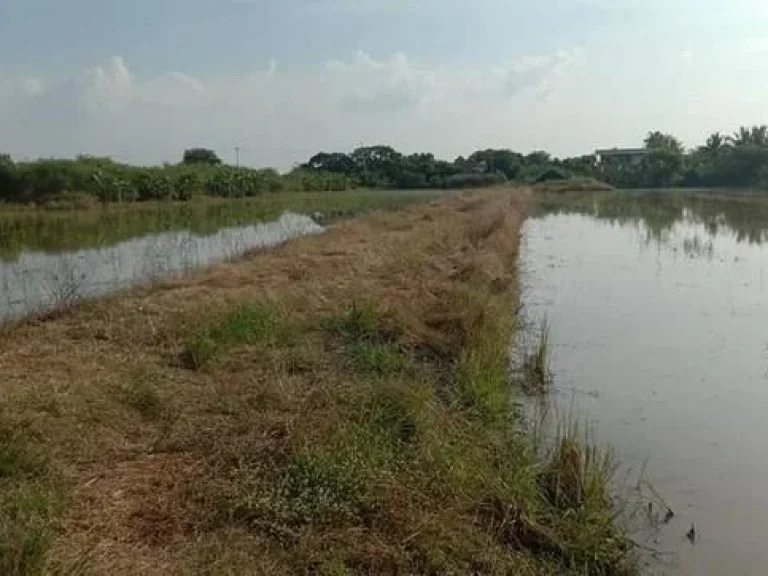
pixel 28 506
pixel 142 395
pixel 482 375
pixel 380 359
pixel 360 323
pixel 537 370
pixel 244 324
pixel 16 459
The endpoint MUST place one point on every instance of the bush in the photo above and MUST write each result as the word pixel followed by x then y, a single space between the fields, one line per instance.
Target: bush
pixel 474 180
pixel 10 184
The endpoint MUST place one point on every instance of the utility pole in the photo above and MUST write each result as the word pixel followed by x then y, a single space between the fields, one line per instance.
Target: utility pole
pixel 237 156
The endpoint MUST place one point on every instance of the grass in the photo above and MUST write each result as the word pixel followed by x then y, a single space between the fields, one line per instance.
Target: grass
pixel 537 373
pixel 38 229
pixel 353 419
pixel 573 185
pixel 243 324
pixel 28 505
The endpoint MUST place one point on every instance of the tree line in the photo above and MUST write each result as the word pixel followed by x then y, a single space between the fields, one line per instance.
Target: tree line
pixel 201 172
pixel 736 160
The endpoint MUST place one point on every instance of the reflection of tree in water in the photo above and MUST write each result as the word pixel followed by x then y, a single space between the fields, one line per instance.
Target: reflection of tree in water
pixel 656 213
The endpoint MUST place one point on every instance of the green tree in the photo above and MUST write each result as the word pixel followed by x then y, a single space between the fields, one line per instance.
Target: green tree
pixel 660 141
pixel 201 156
pixel 754 136
pixel 338 163
pixel 10 185
pixel 715 143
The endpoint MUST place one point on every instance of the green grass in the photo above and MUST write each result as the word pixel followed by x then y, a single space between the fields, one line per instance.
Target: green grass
pixel 28 506
pixel 242 325
pixel 387 446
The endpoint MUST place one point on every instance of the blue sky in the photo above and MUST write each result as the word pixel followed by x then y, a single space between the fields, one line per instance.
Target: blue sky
pixel 142 80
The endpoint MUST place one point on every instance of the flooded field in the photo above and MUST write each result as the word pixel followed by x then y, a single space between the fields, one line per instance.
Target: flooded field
pixel 37 282
pixel 52 258
pixel 658 314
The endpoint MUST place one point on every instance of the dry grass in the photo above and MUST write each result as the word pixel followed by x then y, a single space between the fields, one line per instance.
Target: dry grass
pixel 339 405
pixel 573 185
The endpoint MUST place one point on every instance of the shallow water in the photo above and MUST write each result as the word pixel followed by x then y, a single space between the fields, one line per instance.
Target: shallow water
pixel 36 281
pixel 658 309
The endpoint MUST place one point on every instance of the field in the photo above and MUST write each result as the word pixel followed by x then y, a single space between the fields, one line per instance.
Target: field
pixel 72 228
pixel 340 405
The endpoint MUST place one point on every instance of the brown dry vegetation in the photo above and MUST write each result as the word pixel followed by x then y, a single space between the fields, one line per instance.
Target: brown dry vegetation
pixel 336 406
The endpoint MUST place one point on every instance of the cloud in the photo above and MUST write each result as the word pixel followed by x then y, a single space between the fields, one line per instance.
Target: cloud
pixel 755 45
pixel 277 116
pixel 540 72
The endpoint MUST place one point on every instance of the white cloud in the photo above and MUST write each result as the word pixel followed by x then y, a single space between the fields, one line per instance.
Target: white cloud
pixel 755 45
pixel 277 116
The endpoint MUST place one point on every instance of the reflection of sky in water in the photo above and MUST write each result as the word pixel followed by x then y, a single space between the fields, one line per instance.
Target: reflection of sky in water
pixel 659 335
pixel 37 281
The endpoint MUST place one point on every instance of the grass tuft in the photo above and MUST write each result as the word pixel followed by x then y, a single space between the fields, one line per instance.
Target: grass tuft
pixel 537 372
pixel 243 325
pixel 382 359
pixel 141 395
pixel 28 507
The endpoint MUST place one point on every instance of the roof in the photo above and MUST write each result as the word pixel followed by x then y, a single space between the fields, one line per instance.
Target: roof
pixel 622 152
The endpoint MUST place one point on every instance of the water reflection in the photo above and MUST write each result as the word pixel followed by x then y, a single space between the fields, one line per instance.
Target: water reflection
pixel 658 306
pixel 657 213
pixel 37 282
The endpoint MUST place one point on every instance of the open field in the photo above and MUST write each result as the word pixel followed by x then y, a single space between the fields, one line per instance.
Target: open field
pixel 340 405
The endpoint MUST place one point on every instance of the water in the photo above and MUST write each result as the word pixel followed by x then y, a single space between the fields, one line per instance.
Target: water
pixel 37 281
pixel 658 309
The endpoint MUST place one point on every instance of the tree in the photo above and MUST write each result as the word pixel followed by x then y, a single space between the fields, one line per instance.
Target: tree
pixel 754 136
pixel 662 167
pixel 335 162
pixel 10 185
pixel 491 161
pixel 537 158
pixel 201 156
pixel 660 141
pixel 715 143
pixel 377 165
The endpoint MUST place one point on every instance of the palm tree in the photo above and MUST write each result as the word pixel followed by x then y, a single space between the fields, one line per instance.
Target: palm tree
pixel 741 137
pixel 755 136
pixel 760 135
pixel 715 143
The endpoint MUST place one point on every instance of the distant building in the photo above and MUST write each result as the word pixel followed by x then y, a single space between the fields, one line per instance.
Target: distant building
pixel 632 156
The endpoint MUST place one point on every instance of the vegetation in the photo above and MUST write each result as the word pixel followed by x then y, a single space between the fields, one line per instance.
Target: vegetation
pixel 89 179
pixel 740 160
pixel 56 231
pixel 536 369
pixel 736 161
pixel 348 412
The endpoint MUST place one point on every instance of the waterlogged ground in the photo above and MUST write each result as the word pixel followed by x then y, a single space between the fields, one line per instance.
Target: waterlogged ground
pixel 53 258
pixel 38 282
pixel 658 308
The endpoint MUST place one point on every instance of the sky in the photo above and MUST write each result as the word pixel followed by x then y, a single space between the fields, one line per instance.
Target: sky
pixel 283 79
